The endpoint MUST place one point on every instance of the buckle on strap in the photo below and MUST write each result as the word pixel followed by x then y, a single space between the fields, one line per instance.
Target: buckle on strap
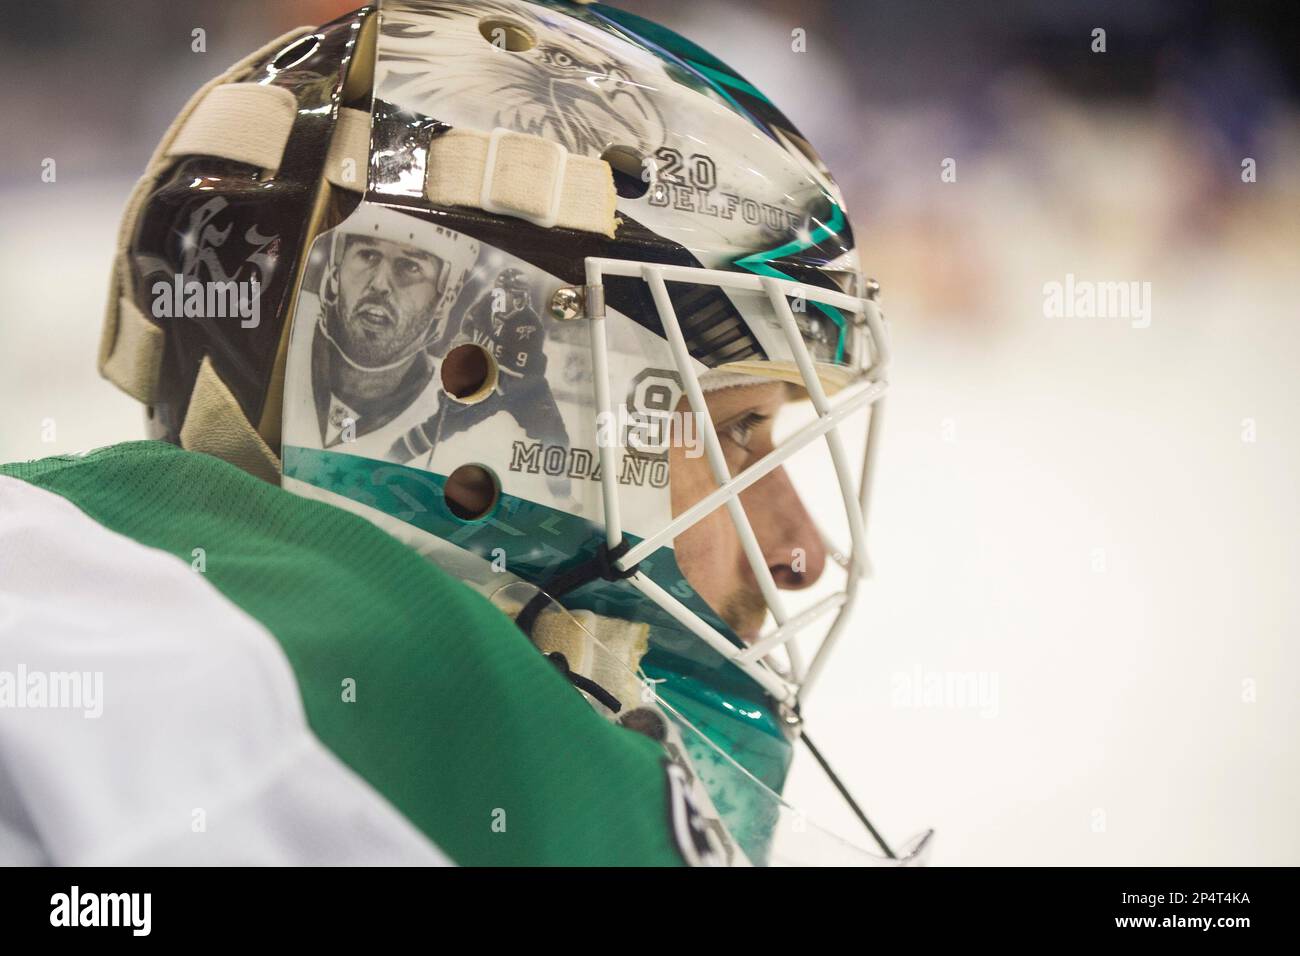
pixel 523 176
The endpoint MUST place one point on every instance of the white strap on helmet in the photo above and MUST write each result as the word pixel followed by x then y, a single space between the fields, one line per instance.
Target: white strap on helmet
pixel 349 155
pixel 520 175
pixel 245 122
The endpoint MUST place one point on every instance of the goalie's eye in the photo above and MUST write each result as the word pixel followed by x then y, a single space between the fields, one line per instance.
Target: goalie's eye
pixel 741 431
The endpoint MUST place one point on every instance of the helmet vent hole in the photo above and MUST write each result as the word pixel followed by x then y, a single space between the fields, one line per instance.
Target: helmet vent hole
pixel 509 35
pixel 469 373
pixel 630 171
pixel 471 492
pixel 295 53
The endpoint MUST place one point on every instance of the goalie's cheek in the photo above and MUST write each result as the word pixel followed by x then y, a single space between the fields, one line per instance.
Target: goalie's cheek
pixel 708 552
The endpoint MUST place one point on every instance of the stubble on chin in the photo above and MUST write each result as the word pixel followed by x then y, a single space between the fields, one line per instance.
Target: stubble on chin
pixel 744 611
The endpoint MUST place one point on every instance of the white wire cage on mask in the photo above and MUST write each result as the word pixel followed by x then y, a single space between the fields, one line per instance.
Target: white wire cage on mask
pixel 857 396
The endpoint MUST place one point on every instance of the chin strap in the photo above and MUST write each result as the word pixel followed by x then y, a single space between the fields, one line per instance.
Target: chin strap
pixel 600 566
pixel 584 683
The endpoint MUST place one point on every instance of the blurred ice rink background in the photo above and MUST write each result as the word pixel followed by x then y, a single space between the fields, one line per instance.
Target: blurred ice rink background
pixel 1095 523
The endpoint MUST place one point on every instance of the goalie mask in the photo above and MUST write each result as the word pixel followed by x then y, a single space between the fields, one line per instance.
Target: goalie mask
pixel 562 301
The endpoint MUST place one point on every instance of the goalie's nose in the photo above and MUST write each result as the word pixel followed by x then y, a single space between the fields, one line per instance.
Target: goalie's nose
pixel 791 543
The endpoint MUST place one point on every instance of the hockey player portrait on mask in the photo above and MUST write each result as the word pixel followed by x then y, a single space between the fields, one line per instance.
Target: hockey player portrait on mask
pixel 505 323
pixel 400 322
pixel 383 305
pixel 501 331
pixel 387 294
